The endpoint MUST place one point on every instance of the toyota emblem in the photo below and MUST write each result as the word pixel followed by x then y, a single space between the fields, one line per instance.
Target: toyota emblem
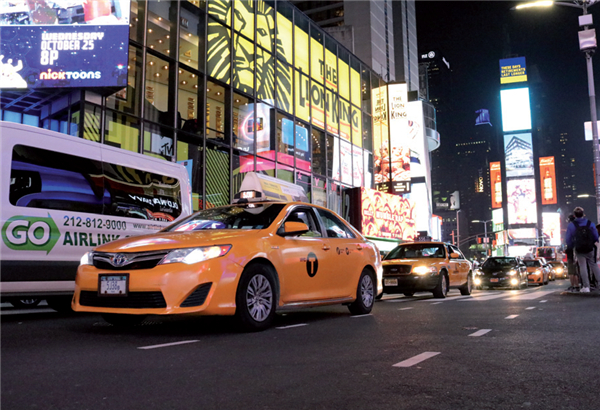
pixel 119 260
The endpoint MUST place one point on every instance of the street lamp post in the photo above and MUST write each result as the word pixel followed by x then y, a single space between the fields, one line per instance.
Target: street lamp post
pixel 485 232
pixel 587 44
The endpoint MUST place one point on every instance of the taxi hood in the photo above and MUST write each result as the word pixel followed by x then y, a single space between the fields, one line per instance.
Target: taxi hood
pixel 174 240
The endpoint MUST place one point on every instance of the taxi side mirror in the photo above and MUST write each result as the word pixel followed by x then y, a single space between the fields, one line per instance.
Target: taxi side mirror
pixel 293 228
pixel 454 255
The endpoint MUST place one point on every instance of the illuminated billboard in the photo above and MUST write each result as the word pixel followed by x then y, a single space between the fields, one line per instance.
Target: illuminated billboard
pixel 518 151
pixel 587 128
pixel 548 180
pixel 381 142
pixel 523 233
pixel 400 150
pixel 521 201
pixel 513 70
pixel 551 228
pixel 516 112
pixel 387 216
pixel 496 182
pixel 60 43
pixel 497 220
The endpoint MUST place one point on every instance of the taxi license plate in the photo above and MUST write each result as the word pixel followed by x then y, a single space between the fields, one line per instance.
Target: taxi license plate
pixel 494 280
pixel 390 282
pixel 113 285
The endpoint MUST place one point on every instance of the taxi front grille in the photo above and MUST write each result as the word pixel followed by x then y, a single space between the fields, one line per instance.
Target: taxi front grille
pixel 129 261
pixel 198 296
pixel 133 300
pixel 396 269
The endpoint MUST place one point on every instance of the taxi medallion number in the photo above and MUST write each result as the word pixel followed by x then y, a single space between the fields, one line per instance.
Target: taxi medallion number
pixel 390 282
pixel 113 285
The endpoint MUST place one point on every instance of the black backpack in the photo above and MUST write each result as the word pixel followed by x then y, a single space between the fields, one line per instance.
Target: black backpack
pixel 584 238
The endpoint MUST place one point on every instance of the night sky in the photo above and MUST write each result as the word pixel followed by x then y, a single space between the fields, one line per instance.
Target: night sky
pixel 475 35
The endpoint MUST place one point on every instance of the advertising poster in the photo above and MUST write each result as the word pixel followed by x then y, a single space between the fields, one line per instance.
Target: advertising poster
pixel 496 184
pixel 521 201
pixel 516 111
pixel 387 216
pixel 548 180
pixel 518 151
pixel 77 43
pixel 249 128
pixel 346 161
pixel 497 220
pixel 400 151
pixel 381 157
pixel 513 70
pixel 357 166
pixel 419 159
pixel 551 228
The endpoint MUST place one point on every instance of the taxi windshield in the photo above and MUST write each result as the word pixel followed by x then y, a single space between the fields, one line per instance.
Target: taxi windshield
pixel 416 251
pixel 246 216
pixel 499 263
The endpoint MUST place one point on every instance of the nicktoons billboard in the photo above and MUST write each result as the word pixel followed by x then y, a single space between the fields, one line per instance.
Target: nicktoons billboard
pixel 49 44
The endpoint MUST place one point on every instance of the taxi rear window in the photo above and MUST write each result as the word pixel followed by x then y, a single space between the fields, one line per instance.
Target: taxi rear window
pixel 416 251
pixel 246 216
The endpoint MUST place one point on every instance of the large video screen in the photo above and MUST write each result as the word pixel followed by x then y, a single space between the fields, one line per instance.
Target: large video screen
pixel 516 112
pixel 63 43
pixel 387 216
pixel 548 180
pixel 551 228
pixel 496 182
pixel 518 151
pixel 521 201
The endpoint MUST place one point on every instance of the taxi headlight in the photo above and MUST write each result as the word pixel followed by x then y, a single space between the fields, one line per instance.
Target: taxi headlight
pixel 424 270
pixel 559 270
pixel 512 273
pixel 87 259
pixel 538 272
pixel 195 255
pixel 478 272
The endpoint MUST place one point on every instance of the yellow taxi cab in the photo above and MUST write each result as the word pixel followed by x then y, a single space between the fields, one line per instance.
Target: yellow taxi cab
pixel 537 271
pixel 426 266
pixel 249 259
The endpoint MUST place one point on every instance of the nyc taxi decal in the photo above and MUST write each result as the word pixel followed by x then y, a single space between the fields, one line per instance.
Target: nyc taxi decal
pixel 312 264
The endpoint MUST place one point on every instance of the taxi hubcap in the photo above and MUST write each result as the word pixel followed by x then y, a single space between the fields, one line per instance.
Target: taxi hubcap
pixel 259 298
pixel 366 290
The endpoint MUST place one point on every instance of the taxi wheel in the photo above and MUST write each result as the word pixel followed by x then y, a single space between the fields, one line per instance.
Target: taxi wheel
pixel 441 290
pixel 25 303
pixel 120 320
pixel 365 294
pixel 256 298
pixel 468 287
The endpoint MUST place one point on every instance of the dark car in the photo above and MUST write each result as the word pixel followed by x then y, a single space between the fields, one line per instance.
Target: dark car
pixel 559 269
pixel 502 272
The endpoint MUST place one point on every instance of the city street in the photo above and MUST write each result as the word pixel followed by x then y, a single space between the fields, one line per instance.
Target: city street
pixel 496 349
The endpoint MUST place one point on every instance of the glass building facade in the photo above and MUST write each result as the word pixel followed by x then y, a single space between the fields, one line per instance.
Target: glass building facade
pixel 226 88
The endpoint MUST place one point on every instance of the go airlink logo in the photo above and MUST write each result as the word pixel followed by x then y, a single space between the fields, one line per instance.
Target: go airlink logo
pixel 30 233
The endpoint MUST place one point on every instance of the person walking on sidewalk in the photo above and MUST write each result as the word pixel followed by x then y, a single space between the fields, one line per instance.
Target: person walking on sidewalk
pixel 571 264
pixel 581 236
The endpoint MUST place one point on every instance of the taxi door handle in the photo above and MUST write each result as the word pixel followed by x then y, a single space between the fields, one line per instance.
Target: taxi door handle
pixel 326 247
pixel 359 247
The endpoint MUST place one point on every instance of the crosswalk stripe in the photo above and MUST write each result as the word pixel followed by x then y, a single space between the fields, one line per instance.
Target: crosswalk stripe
pixel 532 295
pixel 480 332
pixel 416 359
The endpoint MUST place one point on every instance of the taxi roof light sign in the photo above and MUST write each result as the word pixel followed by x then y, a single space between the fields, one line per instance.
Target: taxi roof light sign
pixel 260 187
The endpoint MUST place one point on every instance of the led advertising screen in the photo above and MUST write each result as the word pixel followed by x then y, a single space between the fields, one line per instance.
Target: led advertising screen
pixel 63 43
pixel 496 182
pixel 387 216
pixel 523 233
pixel 516 113
pixel 518 152
pixel 548 180
pixel 551 228
pixel 416 141
pixel 513 70
pixel 381 142
pixel 400 150
pixel 497 220
pixel 521 201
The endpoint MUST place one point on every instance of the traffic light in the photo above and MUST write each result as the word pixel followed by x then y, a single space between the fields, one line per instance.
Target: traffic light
pixel 478 240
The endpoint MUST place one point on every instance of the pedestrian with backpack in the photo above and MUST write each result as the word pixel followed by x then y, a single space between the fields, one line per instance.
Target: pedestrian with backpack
pixel 582 236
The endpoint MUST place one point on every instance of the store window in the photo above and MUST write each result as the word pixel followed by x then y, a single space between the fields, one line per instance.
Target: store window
pixel 241 163
pixel 319 191
pixel 192 35
pixel 189 154
pixel 333 157
pixel 367 132
pixel 161 29
pixel 215 111
pixel 217 175
pixel 92 121
pixel 128 99
pixel 137 20
pixel 190 102
pixel 318 152
pixel 120 130
pixel 357 166
pixel 366 90
pixel 245 127
pixel 156 92
pixel 158 141
pixel 302 149
pixel 285 140
pixel 334 196
pixel 285 173
pixel 303 180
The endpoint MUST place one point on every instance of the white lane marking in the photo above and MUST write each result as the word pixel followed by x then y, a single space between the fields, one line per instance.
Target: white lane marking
pixel 532 295
pixel 290 326
pixel 530 308
pixel 26 311
pixel 543 301
pixel 480 332
pixel 437 303
pixel 511 317
pixel 168 344
pixel 398 300
pixel 409 308
pixel 368 314
pixel 416 359
pixel 478 299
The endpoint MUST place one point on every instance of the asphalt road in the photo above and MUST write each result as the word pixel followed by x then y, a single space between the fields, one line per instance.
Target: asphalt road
pixel 532 349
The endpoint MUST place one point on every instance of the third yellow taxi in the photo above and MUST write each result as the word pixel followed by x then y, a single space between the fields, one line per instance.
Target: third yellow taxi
pixel 249 259
pixel 426 266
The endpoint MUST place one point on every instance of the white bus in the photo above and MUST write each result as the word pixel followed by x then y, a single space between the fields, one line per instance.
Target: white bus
pixel 62 196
